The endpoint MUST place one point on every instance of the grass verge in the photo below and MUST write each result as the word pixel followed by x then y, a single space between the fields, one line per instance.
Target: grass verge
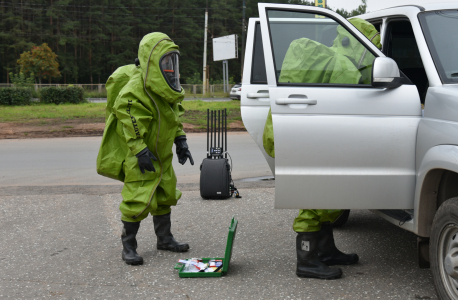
pixel 196 112
pixel 26 114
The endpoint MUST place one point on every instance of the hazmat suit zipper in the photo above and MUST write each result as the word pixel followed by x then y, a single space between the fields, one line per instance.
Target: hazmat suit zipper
pixel 158 130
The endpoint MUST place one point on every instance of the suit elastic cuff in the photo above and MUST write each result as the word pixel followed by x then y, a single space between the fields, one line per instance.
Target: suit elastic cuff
pixel 138 148
pixel 180 137
pixel 141 152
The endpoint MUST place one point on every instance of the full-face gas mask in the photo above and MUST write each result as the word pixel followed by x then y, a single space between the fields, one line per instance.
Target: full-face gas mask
pixel 169 63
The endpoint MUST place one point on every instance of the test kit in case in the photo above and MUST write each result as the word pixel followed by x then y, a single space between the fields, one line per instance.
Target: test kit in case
pixel 226 259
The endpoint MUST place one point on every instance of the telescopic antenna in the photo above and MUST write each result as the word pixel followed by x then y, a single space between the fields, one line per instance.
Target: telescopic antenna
pixel 225 130
pixel 215 130
pixel 222 133
pixel 211 132
pixel 208 121
pixel 219 127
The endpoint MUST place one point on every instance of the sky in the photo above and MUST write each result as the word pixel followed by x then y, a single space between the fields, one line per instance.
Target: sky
pixel 373 5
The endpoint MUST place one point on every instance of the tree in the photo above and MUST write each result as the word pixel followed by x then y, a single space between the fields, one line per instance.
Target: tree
pixel 94 37
pixel 356 12
pixel 21 80
pixel 41 61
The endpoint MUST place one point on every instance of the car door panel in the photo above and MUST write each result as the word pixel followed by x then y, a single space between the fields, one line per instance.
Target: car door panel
pixel 255 101
pixel 338 145
pixel 347 101
pixel 334 177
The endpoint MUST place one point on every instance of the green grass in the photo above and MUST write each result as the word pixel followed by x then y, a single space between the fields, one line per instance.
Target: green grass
pixel 52 111
pixel 196 112
pixel 103 94
pixel 86 94
pixel 208 95
pixel 203 106
pixel 94 94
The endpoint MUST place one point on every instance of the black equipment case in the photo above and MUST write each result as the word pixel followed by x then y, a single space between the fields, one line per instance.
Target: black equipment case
pixel 215 171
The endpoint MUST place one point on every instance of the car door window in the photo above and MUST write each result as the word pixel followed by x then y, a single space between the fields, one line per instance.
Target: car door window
pixel 401 46
pixel 441 35
pixel 258 72
pixel 316 49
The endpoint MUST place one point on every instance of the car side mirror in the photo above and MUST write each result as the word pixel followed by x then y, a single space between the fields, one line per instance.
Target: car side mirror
pixel 385 73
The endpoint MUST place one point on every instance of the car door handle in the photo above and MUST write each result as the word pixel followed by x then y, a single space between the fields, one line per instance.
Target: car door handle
pixel 286 101
pixel 257 95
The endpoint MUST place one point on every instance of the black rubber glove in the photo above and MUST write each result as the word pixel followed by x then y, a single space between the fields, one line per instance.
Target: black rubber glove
pixel 183 150
pixel 144 160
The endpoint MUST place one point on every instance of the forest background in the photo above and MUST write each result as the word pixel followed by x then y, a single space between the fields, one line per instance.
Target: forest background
pixel 93 38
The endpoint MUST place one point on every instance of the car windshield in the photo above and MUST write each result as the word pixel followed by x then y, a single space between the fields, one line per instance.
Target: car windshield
pixel 440 31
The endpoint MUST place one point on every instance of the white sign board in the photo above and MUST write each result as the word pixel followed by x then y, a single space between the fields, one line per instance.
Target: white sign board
pixel 225 47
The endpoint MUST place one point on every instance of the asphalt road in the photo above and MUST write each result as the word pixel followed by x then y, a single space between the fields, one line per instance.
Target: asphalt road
pixel 71 161
pixel 60 232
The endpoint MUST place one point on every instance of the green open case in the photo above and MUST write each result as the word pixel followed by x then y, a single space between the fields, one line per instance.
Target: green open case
pixel 226 259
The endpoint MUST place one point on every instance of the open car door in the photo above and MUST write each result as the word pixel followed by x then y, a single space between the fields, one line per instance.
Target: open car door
pixel 255 102
pixel 339 142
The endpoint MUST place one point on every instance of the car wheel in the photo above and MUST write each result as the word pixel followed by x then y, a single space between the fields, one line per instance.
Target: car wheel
pixel 443 252
pixel 342 219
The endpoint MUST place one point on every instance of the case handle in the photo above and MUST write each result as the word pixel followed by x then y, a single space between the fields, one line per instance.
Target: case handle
pixel 178 266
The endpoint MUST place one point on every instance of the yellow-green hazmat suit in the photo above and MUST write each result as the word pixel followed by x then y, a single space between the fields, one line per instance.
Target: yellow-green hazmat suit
pixel 346 44
pixel 142 111
pixel 346 62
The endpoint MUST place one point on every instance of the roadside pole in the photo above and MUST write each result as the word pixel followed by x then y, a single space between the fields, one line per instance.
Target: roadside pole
pixel 204 81
pixel 224 76
pixel 243 37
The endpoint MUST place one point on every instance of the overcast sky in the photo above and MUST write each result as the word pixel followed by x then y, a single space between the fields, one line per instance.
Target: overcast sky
pixel 373 5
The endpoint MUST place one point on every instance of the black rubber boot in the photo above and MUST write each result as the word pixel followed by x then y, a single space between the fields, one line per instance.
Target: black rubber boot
pixel 165 240
pixel 308 264
pixel 328 252
pixel 129 243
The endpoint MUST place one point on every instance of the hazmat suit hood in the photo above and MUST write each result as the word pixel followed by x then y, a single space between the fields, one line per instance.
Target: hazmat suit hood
pixel 346 44
pixel 152 48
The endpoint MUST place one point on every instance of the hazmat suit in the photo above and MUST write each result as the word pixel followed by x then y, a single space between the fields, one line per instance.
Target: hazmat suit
pixel 348 46
pixel 307 61
pixel 142 123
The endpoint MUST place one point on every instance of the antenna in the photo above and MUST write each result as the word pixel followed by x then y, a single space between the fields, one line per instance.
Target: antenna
pixel 211 132
pixel 222 133
pixel 219 127
pixel 208 119
pixel 215 130
pixel 225 130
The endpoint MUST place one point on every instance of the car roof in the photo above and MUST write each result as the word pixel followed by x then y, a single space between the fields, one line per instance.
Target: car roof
pixel 440 6
pixel 411 7
pixel 424 7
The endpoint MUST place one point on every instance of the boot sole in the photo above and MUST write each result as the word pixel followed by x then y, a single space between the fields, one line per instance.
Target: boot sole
pixel 132 263
pixel 308 275
pixel 173 249
pixel 341 263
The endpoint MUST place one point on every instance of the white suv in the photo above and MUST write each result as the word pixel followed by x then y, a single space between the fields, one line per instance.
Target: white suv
pixel 236 91
pixel 366 146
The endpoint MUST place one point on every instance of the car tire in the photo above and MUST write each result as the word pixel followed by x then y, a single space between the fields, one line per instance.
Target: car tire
pixel 342 219
pixel 443 251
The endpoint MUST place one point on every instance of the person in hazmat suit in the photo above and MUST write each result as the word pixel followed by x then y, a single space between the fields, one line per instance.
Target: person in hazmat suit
pixel 142 123
pixel 347 61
